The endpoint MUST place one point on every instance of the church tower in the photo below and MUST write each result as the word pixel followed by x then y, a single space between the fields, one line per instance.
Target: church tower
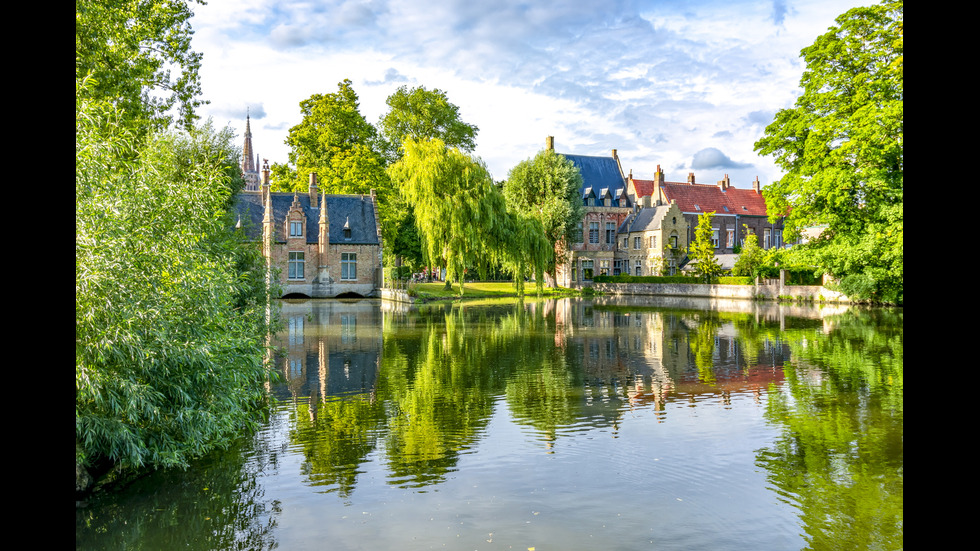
pixel 250 164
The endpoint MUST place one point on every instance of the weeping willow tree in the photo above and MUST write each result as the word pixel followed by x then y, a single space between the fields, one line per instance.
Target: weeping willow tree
pixel 462 217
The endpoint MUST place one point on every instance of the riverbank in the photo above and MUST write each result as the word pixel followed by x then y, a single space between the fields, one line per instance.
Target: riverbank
pixel 427 292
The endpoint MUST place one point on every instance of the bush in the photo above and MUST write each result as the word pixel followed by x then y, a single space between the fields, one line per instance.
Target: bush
pixel 170 304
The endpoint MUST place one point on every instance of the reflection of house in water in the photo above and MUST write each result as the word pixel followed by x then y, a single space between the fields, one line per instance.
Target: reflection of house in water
pixel 648 356
pixel 332 347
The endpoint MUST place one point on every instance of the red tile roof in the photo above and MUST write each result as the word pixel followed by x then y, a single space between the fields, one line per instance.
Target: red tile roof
pixel 643 187
pixel 700 198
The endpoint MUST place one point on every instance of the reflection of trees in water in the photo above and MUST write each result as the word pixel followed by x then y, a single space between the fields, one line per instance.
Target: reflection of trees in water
pixel 840 458
pixel 217 503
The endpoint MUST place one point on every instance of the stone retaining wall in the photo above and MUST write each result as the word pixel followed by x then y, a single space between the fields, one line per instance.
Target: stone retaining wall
pixel 747 292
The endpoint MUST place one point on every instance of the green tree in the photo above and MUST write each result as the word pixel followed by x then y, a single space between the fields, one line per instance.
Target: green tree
pixel 751 257
pixel 547 188
pixel 332 138
pixel 136 55
pixel 422 114
pixel 841 146
pixel 336 142
pixel 461 216
pixel 703 251
pixel 170 304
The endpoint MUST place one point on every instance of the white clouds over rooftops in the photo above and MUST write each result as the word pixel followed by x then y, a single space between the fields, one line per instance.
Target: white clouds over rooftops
pixel 661 82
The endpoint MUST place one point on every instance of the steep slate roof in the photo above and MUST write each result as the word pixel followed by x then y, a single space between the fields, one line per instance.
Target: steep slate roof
pixel 701 198
pixel 357 210
pixel 599 174
pixel 646 219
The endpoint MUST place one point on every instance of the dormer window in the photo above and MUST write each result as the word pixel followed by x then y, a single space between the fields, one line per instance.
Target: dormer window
pixel 347 229
pixel 295 229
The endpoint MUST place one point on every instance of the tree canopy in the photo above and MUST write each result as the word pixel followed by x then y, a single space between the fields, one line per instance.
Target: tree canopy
pixel 422 114
pixel 462 217
pixel 136 55
pixel 841 146
pixel 547 188
pixel 702 249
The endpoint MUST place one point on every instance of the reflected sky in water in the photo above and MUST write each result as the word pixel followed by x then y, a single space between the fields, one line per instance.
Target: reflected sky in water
pixel 553 424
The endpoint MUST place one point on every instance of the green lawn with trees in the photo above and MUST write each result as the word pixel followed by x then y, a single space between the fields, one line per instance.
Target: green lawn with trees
pixel 842 149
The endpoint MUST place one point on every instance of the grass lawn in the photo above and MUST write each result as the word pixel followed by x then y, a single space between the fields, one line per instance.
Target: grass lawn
pixel 484 289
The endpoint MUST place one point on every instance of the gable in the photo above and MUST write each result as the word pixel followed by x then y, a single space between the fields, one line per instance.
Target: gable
pixel 355 210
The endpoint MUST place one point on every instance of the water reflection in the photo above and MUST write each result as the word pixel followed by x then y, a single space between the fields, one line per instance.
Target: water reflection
pixel 406 399
pixel 420 385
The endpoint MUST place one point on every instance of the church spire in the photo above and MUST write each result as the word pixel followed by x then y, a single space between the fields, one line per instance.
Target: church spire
pixel 247 164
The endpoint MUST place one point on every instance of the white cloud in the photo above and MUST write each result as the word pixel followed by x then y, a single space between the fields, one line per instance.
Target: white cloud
pixel 658 81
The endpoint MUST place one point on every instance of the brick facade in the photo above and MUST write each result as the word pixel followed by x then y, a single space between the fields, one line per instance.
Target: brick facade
pixel 318 245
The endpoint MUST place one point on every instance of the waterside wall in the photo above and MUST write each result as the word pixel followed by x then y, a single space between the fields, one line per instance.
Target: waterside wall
pixel 772 291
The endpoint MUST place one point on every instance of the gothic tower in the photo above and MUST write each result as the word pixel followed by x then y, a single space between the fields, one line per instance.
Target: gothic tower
pixel 250 164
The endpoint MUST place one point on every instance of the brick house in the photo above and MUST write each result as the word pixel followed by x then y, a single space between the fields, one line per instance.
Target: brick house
pixel 321 245
pixel 733 208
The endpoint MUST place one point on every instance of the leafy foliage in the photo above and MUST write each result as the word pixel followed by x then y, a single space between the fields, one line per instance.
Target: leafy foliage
pixel 702 251
pixel 170 305
pixel 751 256
pixel 422 114
pixel 462 217
pixel 136 55
pixel 842 148
pixel 547 188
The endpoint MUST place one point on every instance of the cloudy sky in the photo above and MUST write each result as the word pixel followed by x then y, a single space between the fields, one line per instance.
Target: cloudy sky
pixel 688 85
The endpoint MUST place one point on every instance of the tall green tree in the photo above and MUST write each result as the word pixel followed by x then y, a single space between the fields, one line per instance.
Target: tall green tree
pixel 703 250
pixel 136 55
pixel 841 146
pixel 337 143
pixel 461 216
pixel 422 114
pixel 170 304
pixel 547 188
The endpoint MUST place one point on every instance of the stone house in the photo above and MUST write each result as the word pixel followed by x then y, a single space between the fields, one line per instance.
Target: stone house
pixel 320 245
pixel 653 240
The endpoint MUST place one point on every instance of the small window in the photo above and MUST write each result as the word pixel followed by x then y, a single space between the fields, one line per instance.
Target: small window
pixel 295 229
pixel 348 266
pixel 297 262
pixel 347 234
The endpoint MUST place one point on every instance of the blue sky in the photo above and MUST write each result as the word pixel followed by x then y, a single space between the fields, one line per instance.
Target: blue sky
pixel 689 86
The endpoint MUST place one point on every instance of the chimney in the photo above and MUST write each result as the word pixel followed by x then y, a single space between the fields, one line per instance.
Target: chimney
pixel 658 183
pixel 314 191
pixel 614 154
pixel 549 143
pixel 690 178
pixel 755 185
pixel 265 172
pixel 724 183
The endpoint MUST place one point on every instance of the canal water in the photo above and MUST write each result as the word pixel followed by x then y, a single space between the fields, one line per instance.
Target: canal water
pixel 566 424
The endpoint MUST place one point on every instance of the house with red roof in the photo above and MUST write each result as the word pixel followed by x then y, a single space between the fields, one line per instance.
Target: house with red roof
pixel 733 208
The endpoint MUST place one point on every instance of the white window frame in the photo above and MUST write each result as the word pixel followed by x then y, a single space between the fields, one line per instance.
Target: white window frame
pixel 348 263
pixel 295 228
pixel 296 265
